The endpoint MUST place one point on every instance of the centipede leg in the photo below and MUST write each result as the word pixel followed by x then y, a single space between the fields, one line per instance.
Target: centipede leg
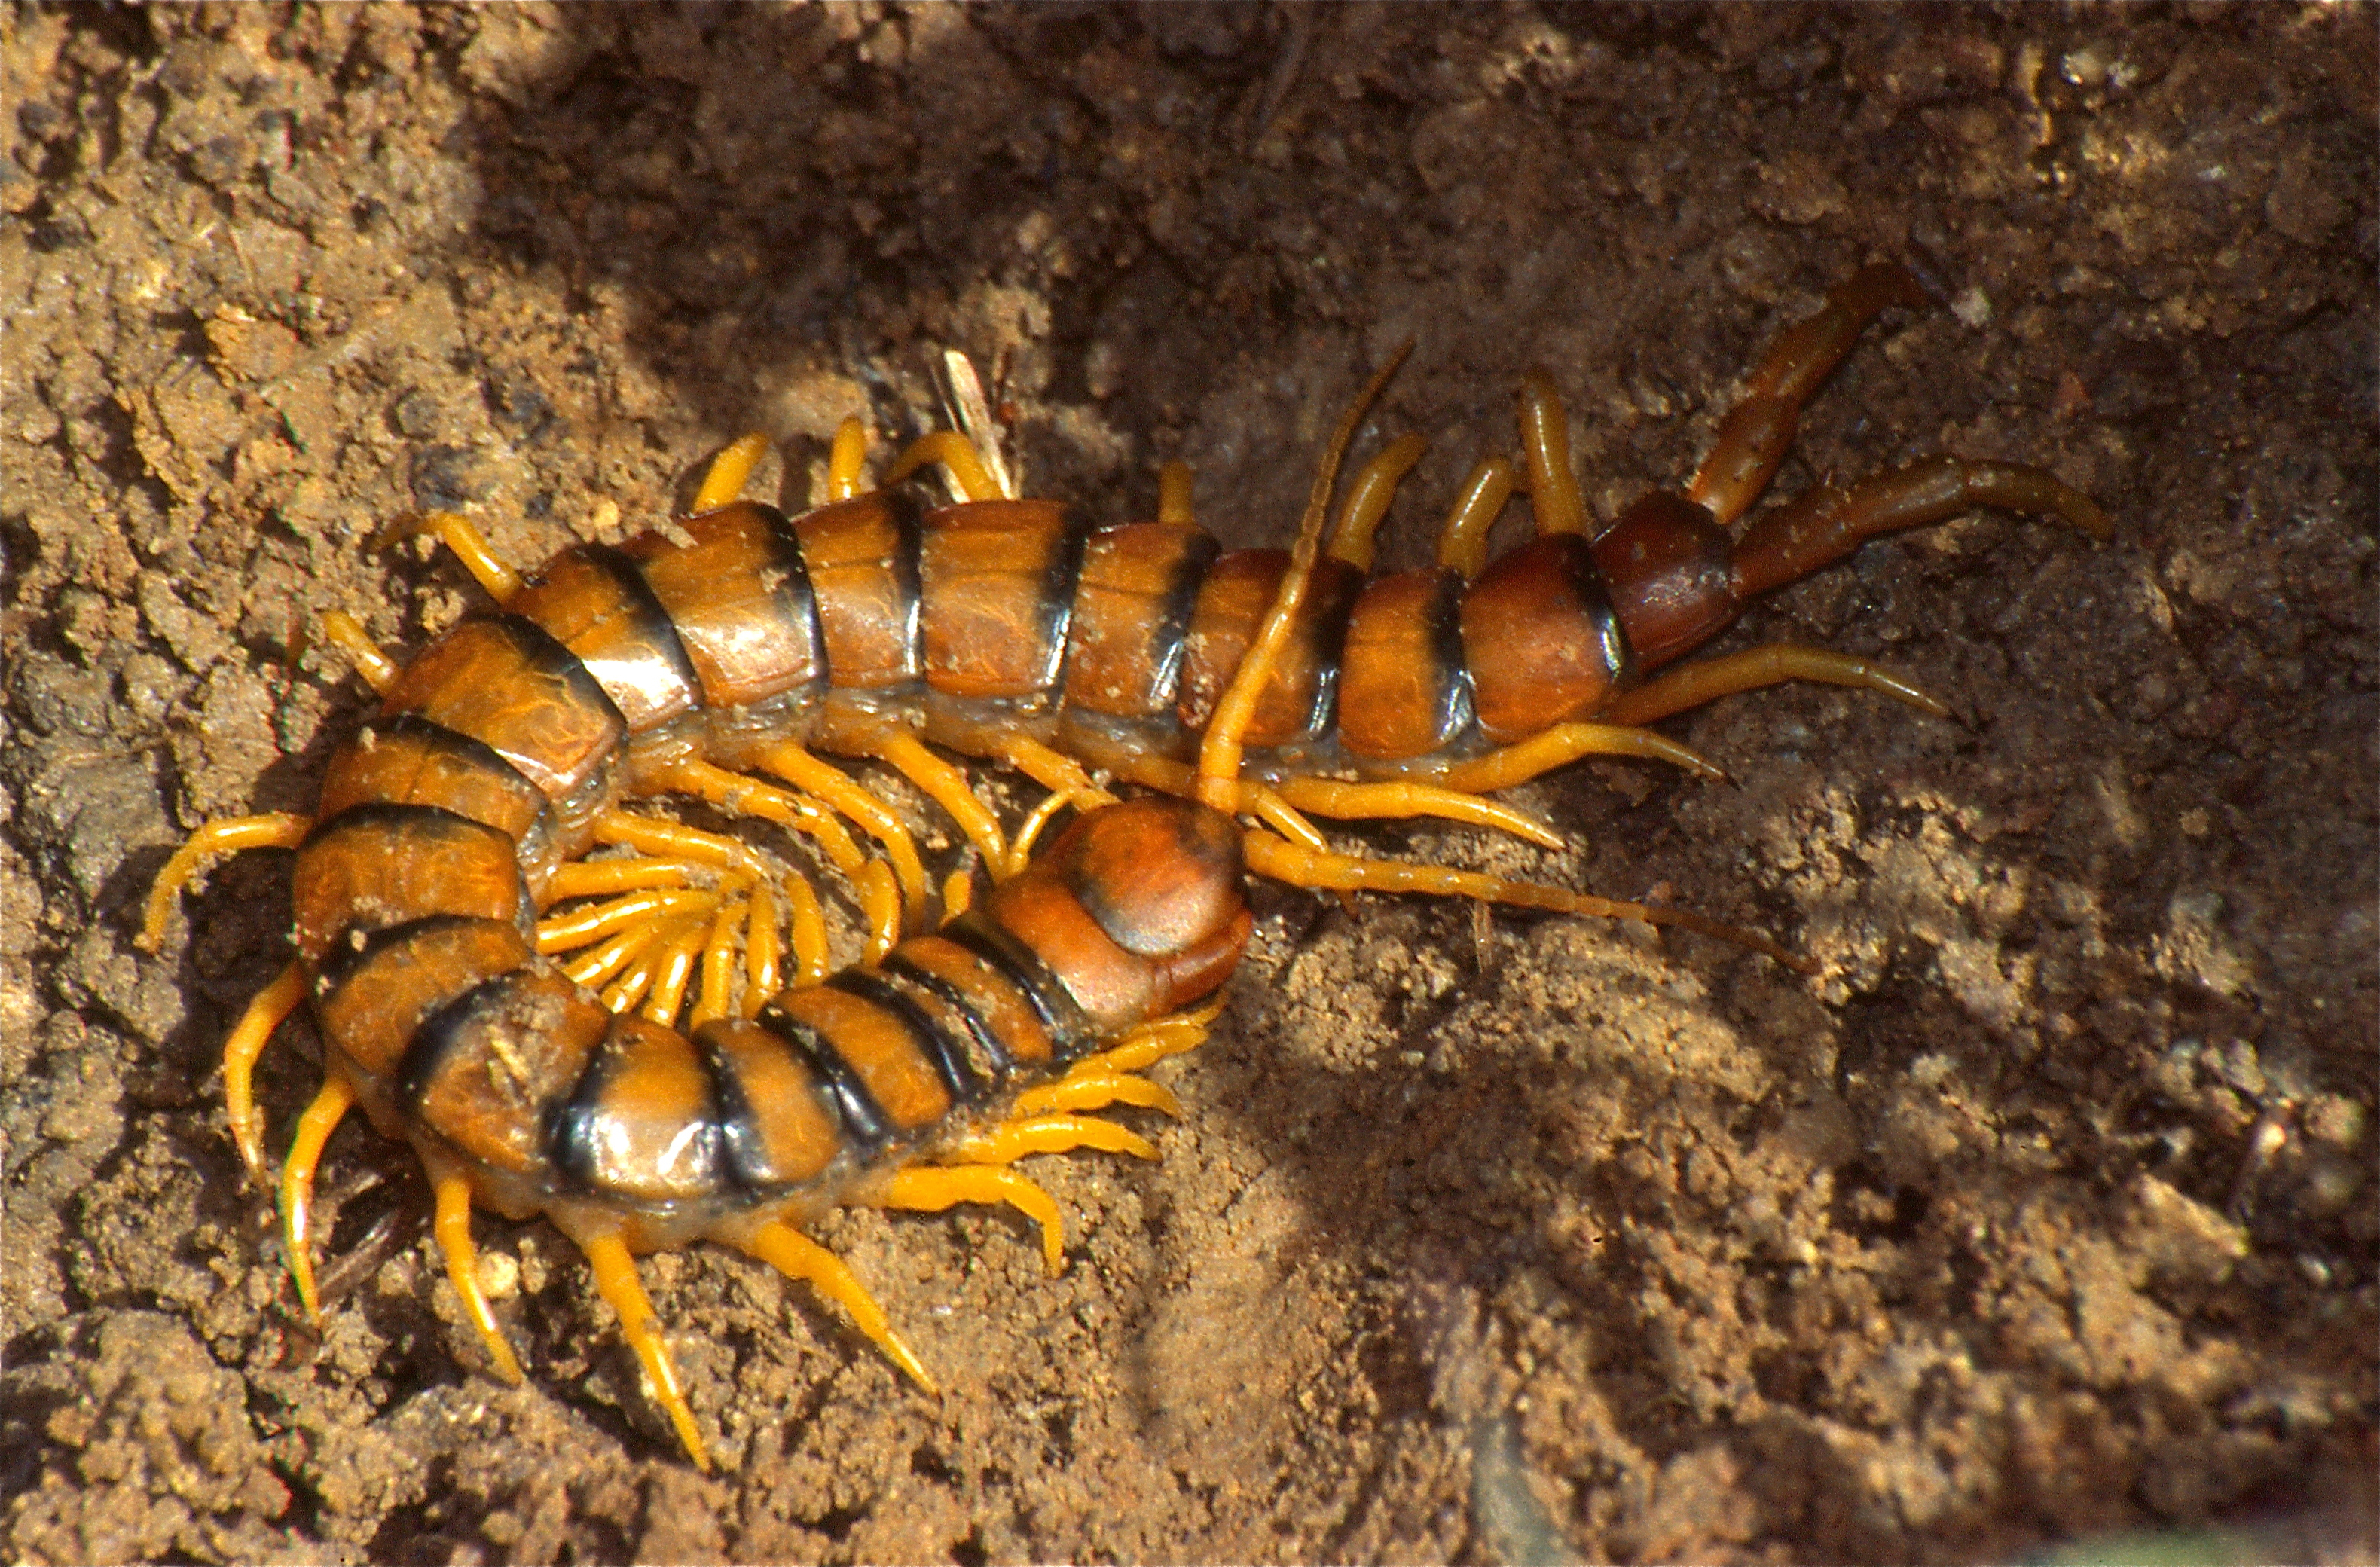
pixel 211 842
pixel 615 1279
pixel 1692 684
pixel 730 471
pixel 1756 434
pixel 1096 1090
pixel 266 1014
pixel 846 463
pixel 346 633
pixel 1566 743
pixel 1824 525
pixel 872 882
pixel 797 1257
pixel 798 767
pixel 1299 866
pixel 1013 1140
pixel 464 540
pixel 926 1189
pixel 314 1128
pixel 946 786
pixel 453 1227
pixel 1463 542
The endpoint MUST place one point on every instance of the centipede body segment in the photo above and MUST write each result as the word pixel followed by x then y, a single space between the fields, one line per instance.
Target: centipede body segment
pixel 650 1048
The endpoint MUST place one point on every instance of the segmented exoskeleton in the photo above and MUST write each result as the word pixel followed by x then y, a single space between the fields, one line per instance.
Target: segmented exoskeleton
pixel 735 641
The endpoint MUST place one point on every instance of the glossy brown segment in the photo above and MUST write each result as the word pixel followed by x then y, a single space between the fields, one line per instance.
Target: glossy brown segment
pixel 1297 699
pixel 639 1126
pixel 878 1046
pixel 1540 639
pixel 486 1070
pixel 1403 691
pixel 996 584
pixel 504 682
pixel 786 1134
pixel 381 865
pixel 862 556
pixel 1665 564
pixel 1167 873
pixel 592 601
pixel 407 760
pixel 735 585
pixel 1132 610
pixel 372 1013
pixel 995 998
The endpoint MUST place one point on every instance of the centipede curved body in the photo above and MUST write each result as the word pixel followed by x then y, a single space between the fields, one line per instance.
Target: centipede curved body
pixel 992 628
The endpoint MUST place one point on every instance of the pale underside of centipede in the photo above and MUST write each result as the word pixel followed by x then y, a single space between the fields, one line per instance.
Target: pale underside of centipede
pixel 646 1046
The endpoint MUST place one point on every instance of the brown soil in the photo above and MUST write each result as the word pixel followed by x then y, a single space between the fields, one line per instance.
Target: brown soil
pixel 2047 1211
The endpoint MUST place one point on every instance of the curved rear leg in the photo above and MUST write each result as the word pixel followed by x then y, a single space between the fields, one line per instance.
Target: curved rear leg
pixel 1756 434
pixel 1824 525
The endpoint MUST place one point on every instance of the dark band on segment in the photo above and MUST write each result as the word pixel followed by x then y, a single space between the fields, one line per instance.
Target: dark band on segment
pixel 995 1053
pixel 1069 1030
pixel 863 1121
pixel 948 1057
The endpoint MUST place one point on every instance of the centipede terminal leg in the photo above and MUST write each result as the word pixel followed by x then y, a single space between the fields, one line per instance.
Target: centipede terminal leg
pixel 1692 684
pixel 1757 433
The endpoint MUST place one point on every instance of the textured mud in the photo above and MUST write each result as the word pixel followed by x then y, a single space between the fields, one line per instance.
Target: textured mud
pixel 2047 1211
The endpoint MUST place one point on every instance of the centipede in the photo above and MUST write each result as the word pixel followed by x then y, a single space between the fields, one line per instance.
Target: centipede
pixel 630 1026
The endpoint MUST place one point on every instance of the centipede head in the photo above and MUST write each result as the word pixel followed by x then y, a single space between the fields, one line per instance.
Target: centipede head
pixel 1163 878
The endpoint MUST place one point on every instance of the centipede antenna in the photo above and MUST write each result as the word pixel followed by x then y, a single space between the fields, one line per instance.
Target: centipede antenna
pixel 1219 753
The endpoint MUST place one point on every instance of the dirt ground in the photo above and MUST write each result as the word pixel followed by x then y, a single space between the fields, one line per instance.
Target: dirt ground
pixel 2046 1212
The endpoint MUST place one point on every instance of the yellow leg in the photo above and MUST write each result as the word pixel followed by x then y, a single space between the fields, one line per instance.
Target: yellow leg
pixel 729 472
pixel 947 788
pixel 761 950
pixel 847 464
pixel 1020 848
pixel 1303 867
pixel 314 1129
pixel 347 633
pixel 279 830
pixel 1545 443
pixel 676 970
pixel 797 766
pixel 1324 796
pixel 593 878
pixel 1367 500
pixel 714 996
pixel 1174 495
pixel 749 796
pixel 1566 743
pixel 457 534
pixel 1690 686
pixel 453 1227
pixel 929 1190
pixel 269 1009
pixel 1096 1090
pixel 958 893
pixel 1046 1134
pixel 797 1257
pixel 561 932
pixel 615 1278
pixel 1152 1042
pixel 1462 544
pixel 959 459
pixel 596 964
